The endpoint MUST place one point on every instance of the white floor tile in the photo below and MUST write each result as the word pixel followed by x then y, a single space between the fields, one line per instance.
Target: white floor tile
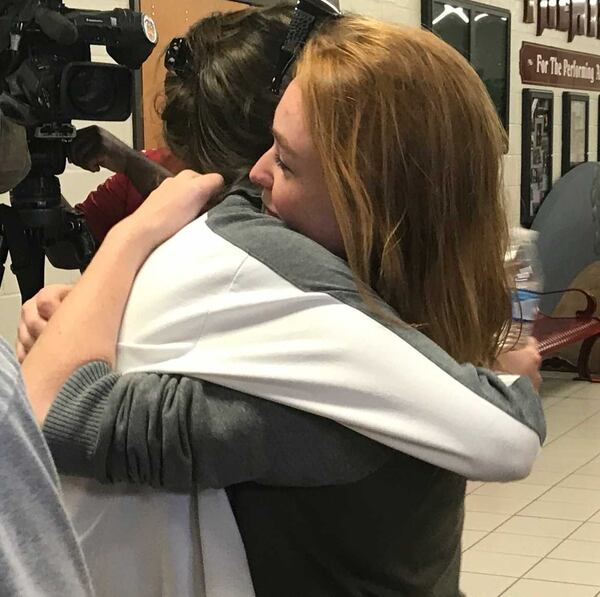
pixel 559 464
pixel 586 390
pixel 551 546
pixel 583 431
pixel 592 422
pixel 548 401
pixel 539 527
pixel 560 510
pixel 484 585
pixel 485 562
pixel 560 425
pixel 581 482
pixel 592 468
pixel 473 485
pixel 512 490
pixel 576 407
pixel 517 544
pixel 483 521
pixel 543 478
pixel 556 426
pixel 572 496
pixel 541 588
pixel 494 505
pixel 583 573
pixel 579 551
pixel 588 531
pixel 560 449
pixel 471 537
pixel 570 443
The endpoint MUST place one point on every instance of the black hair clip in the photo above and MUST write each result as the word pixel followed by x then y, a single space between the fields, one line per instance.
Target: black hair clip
pixel 178 57
pixel 307 14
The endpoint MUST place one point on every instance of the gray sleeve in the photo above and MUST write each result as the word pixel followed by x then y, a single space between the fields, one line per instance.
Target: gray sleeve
pixel 39 554
pixel 176 432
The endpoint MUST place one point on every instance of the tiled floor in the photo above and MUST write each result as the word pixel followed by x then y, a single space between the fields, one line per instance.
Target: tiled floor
pixel 541 537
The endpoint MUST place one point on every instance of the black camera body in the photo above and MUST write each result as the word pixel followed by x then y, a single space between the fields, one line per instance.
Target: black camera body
pixel 49 74
pixel 48 79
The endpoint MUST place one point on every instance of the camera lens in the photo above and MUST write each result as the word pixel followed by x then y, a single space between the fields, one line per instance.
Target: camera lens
pixel 95 91
pixel 92 91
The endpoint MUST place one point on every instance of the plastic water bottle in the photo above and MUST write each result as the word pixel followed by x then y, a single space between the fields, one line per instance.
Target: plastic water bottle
pixel 524 270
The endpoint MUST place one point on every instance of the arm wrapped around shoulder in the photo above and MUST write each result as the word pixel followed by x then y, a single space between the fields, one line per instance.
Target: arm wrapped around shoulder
pixel 175 433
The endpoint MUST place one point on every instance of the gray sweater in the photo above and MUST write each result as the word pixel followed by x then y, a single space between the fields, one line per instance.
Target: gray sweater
pixel 315 502
pixel 176 433
pixel 39 554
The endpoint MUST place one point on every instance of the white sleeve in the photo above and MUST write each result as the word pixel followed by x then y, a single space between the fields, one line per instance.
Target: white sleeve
pixel 237 323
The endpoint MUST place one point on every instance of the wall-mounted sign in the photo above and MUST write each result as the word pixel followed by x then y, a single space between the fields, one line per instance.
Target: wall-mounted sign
pixel 578 17
pixel 544 65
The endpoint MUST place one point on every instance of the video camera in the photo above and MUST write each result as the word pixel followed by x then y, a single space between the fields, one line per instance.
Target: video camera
pixel 47 79
pixel 48 68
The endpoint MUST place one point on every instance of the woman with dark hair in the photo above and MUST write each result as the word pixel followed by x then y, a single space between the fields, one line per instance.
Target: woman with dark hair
pixel 216 112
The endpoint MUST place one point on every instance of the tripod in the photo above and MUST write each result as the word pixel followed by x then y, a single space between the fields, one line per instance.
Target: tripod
pixel 38 224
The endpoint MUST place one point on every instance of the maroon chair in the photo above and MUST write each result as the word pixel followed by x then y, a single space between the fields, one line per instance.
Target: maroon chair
pixel 553 333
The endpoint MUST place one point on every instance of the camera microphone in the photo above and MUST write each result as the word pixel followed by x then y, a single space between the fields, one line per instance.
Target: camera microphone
pixel 56 26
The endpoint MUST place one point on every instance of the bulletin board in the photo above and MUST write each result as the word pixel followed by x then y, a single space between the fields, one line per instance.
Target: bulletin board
pixel 536 151
pixel 173 18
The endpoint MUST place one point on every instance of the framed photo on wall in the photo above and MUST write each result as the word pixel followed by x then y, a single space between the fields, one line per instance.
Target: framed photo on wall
pixel 481 33
pixel 536 163
pixel 575 130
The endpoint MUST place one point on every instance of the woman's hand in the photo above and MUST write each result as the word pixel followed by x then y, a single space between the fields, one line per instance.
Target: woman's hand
pixel 173 205
pixel 523 361
pixel 35 315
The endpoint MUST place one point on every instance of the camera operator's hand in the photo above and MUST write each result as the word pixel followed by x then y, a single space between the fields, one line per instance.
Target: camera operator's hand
pixel 35 315
pixel 95 148
pixel 524 361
